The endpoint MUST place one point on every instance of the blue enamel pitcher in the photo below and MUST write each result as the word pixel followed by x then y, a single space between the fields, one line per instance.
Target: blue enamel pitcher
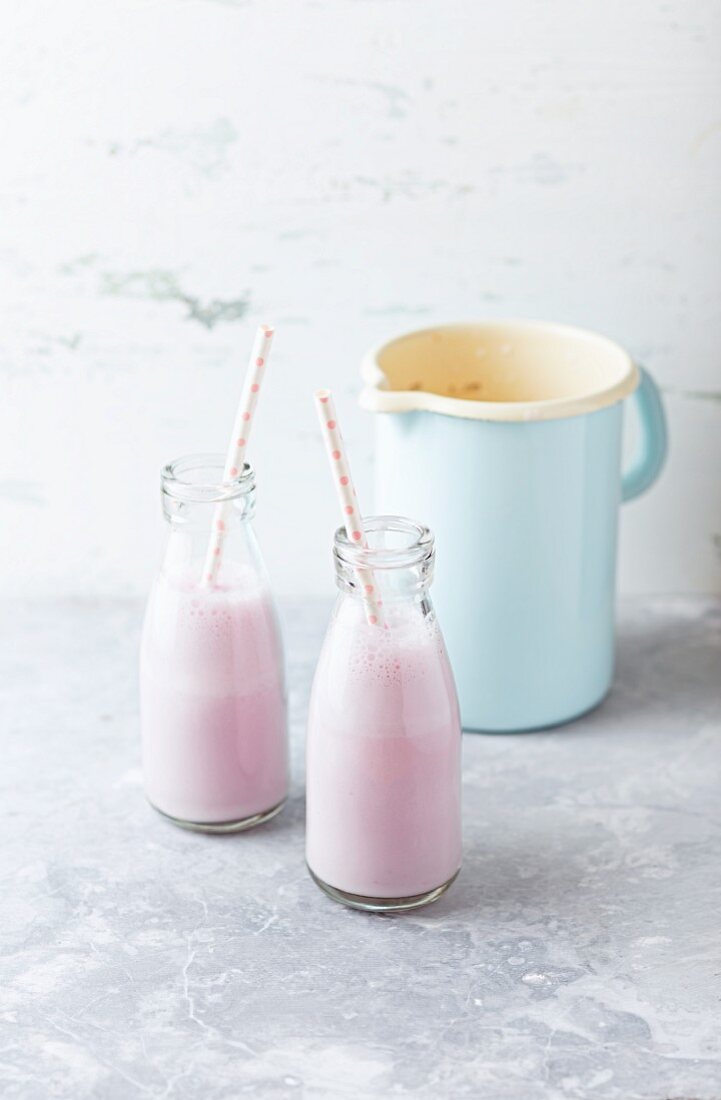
pixel 505 439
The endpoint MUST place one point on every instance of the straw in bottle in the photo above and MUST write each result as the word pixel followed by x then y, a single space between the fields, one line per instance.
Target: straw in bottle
pixel 352 518
pixel 237 447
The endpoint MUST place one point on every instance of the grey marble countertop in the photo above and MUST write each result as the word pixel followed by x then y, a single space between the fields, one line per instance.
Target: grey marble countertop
pixel 578 954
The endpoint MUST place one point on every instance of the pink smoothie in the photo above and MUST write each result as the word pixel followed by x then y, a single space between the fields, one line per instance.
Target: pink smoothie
pixel 213 710
pixel 384 744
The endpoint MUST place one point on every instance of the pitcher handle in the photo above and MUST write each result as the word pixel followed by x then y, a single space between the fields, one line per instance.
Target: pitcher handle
pixel 653 447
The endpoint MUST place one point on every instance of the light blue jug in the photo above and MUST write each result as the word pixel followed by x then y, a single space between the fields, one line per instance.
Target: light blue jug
pixel 505 439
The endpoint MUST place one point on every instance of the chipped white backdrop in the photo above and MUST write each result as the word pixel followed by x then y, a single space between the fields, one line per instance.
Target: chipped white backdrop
pixel 174 171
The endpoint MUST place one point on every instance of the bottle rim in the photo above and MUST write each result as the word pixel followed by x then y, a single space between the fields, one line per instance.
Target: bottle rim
pixel 414 544
pixel 198 479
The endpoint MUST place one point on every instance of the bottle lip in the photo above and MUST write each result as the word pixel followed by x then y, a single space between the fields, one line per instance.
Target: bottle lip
pixel 411 544
pixel 198 479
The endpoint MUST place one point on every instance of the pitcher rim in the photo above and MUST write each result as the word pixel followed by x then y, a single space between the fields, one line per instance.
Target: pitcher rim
pixel 374 398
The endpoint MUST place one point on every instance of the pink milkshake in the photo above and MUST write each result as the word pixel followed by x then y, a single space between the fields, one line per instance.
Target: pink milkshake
pixel 213 711
pixel 213 702
pixel 384 739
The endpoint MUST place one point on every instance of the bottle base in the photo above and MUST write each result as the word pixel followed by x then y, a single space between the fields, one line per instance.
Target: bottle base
pixel 238 826
pixel 382 905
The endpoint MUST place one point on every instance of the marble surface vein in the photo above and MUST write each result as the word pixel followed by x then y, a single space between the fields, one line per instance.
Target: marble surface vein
pixel 578 955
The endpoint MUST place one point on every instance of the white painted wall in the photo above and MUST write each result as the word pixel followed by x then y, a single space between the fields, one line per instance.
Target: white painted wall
pixel 174 171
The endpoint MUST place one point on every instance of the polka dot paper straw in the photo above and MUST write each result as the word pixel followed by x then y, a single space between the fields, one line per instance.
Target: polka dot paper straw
pixel 236 451
pixel 352 518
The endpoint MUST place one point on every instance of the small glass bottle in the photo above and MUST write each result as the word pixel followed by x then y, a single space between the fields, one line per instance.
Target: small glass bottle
pixel 384 735
pixel 212 684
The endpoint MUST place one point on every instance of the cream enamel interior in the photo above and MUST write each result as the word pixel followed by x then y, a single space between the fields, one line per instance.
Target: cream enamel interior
pixel 498 371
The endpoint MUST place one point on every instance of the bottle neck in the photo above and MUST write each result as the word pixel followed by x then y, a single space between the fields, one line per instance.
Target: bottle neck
pixel 185 515
pixel 193 489
pixel 197 502
pixel 396 561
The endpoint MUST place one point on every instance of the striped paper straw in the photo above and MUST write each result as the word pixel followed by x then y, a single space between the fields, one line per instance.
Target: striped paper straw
pixel 236 451
pixel 352 518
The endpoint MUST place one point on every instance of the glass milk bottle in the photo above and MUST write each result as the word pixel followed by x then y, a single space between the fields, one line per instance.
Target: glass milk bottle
pixel 212 690
pixel 384 736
